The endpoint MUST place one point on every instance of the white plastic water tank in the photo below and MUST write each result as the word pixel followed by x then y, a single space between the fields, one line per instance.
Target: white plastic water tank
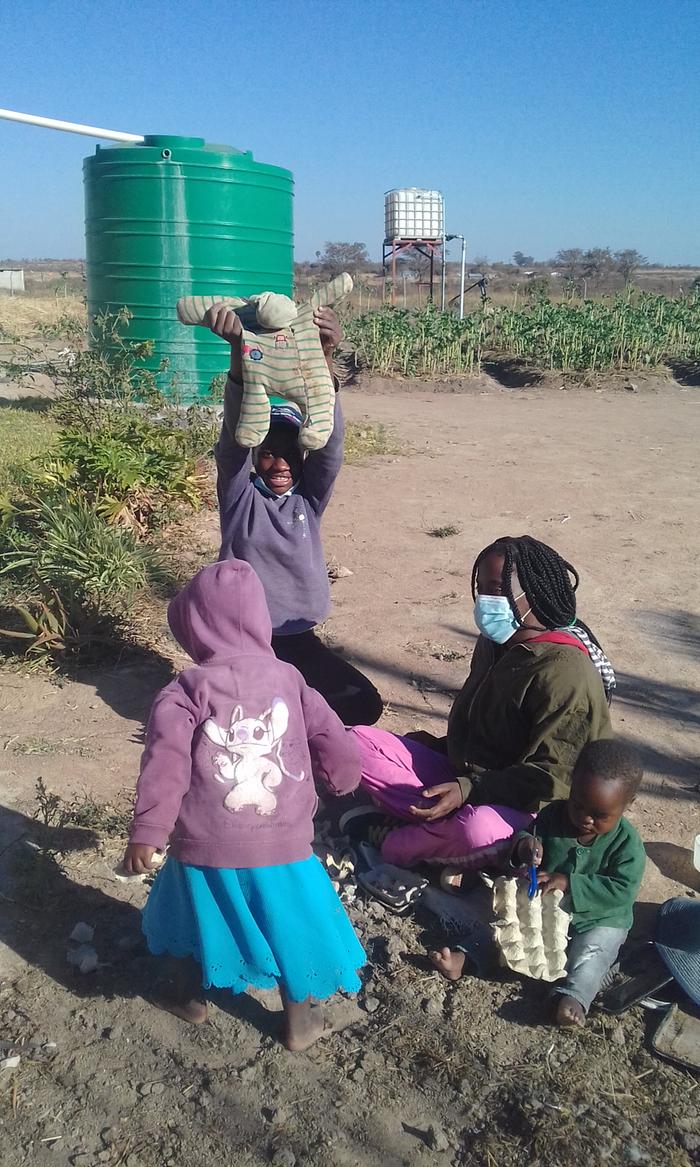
pixel 413 214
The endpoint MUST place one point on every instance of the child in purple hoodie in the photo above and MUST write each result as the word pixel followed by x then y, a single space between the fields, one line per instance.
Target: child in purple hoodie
pixel 233 746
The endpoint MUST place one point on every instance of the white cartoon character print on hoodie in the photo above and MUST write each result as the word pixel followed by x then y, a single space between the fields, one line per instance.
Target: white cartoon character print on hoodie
pixel 252 758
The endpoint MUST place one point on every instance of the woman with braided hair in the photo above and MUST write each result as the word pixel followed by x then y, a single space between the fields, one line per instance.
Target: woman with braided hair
pixel 538 690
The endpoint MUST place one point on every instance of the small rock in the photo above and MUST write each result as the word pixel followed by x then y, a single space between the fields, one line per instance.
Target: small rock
pixel 133 1161
pixel 144 1089
pixel 437 1139
pixel 82 1159
pixel 104 1156
pixel 618 1036
pixel 82 933
pixel 84 957
pixel 283 1157
pixel 50 1047
pixel 635 1154
pixel 109 1135
pixel 158 1088
pixel 690 1141
pixel 371 1004
pixel 358 1075
pixel 10 1063
pixel 432 1006
pixel 129 941
pixel 247 1074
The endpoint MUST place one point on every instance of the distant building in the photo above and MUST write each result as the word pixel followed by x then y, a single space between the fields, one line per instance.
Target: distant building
pixel 12 279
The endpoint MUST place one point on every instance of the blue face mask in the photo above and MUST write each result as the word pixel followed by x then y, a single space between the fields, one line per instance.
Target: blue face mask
pixel 494 617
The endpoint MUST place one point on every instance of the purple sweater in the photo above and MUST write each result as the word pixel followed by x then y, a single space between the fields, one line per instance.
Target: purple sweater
pixel 233 745
pixel 279 537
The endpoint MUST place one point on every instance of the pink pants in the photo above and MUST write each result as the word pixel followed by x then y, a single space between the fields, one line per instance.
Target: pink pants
pixel 394 772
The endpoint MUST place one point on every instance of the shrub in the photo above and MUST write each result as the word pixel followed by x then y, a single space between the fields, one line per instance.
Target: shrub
pixel 129 469
pixel 66 575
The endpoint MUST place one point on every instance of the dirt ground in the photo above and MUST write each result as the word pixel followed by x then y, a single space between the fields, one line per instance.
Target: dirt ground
pixel 464 1074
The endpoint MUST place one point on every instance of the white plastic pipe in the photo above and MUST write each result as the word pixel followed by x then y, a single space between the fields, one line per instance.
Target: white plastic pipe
pixel 462 274
pixel 31 119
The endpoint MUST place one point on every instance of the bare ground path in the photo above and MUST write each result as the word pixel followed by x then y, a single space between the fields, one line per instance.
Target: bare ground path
pixel 609 478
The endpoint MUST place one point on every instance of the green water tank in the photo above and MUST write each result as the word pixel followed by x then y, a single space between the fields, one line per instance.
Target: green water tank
pixel 173 217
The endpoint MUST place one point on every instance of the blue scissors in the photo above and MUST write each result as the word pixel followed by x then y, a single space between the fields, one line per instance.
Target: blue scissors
pixel 532 875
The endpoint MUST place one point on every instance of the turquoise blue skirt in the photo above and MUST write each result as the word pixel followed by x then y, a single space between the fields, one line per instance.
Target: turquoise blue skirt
pixel 258 926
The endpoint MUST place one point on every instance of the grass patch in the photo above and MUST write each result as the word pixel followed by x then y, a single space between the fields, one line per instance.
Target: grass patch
pixel 27 316
pixel 444 532
pixel 24 434
pixel 365 440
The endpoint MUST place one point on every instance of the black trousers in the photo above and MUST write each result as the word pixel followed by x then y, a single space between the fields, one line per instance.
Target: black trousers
pixel 348 691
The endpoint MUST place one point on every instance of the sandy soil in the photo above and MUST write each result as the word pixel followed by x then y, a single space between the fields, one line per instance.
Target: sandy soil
pixel 464 1074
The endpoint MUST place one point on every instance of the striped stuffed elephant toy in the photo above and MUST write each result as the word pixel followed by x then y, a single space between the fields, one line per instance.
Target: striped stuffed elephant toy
pixel 281 357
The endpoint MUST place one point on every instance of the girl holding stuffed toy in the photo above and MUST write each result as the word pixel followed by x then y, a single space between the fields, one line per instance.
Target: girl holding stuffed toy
pixel 271 501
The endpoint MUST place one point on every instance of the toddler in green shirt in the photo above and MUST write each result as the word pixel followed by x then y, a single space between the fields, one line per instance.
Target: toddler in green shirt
pixel 584 847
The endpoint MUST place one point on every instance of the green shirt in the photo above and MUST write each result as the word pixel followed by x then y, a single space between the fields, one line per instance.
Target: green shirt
pixel 604 877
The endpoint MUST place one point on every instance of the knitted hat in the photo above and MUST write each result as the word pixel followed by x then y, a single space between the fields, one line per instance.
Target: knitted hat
pixel 678 942
pixel 284 411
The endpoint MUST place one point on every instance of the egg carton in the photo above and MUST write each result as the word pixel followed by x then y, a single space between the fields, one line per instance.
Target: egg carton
pixel 531 934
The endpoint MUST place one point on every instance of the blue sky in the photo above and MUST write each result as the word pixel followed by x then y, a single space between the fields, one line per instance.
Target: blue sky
pixel 545 124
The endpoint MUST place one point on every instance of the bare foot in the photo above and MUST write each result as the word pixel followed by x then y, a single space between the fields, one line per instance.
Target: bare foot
pixel 191 1010
pixel 449 963
pixel 569 1012
pixel 303 1026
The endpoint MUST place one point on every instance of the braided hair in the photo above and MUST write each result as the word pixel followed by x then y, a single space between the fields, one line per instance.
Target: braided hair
pixel 549 582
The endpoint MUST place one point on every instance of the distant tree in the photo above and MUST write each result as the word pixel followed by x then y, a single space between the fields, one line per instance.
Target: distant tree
pixel 627 262
pixel 337 257
pixel 597 263
pixel 521 260
pixel 479 263
pixel 570 262
pixel 537 288
pixel 414 263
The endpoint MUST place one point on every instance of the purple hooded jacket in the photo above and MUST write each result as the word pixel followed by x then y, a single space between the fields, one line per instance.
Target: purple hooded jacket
pixel 233 745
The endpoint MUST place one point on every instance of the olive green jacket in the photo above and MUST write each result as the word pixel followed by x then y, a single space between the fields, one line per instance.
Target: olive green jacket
pixel 521 719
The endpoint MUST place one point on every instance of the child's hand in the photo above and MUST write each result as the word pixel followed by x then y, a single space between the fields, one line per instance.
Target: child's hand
pixel 528 852
pixel 449 798
pixel 552 881
pixel 225 323
pixel 138 858
pixel 328 325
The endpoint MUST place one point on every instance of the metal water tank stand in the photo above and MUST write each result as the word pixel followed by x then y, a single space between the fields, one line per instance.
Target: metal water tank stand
pixel 391 248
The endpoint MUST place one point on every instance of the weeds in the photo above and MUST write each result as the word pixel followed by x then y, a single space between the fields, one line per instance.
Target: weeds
pixel 76 519
pixel 24 434
pixel 364 440
pixel 444 532
pixel 61 825
pixel 68 576
pixel 67 326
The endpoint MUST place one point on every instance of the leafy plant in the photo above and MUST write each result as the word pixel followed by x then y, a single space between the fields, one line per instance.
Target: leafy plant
pixel 626 331
pixel 66 575
pixel 421 343
pixel 67 326
pixel 132 470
